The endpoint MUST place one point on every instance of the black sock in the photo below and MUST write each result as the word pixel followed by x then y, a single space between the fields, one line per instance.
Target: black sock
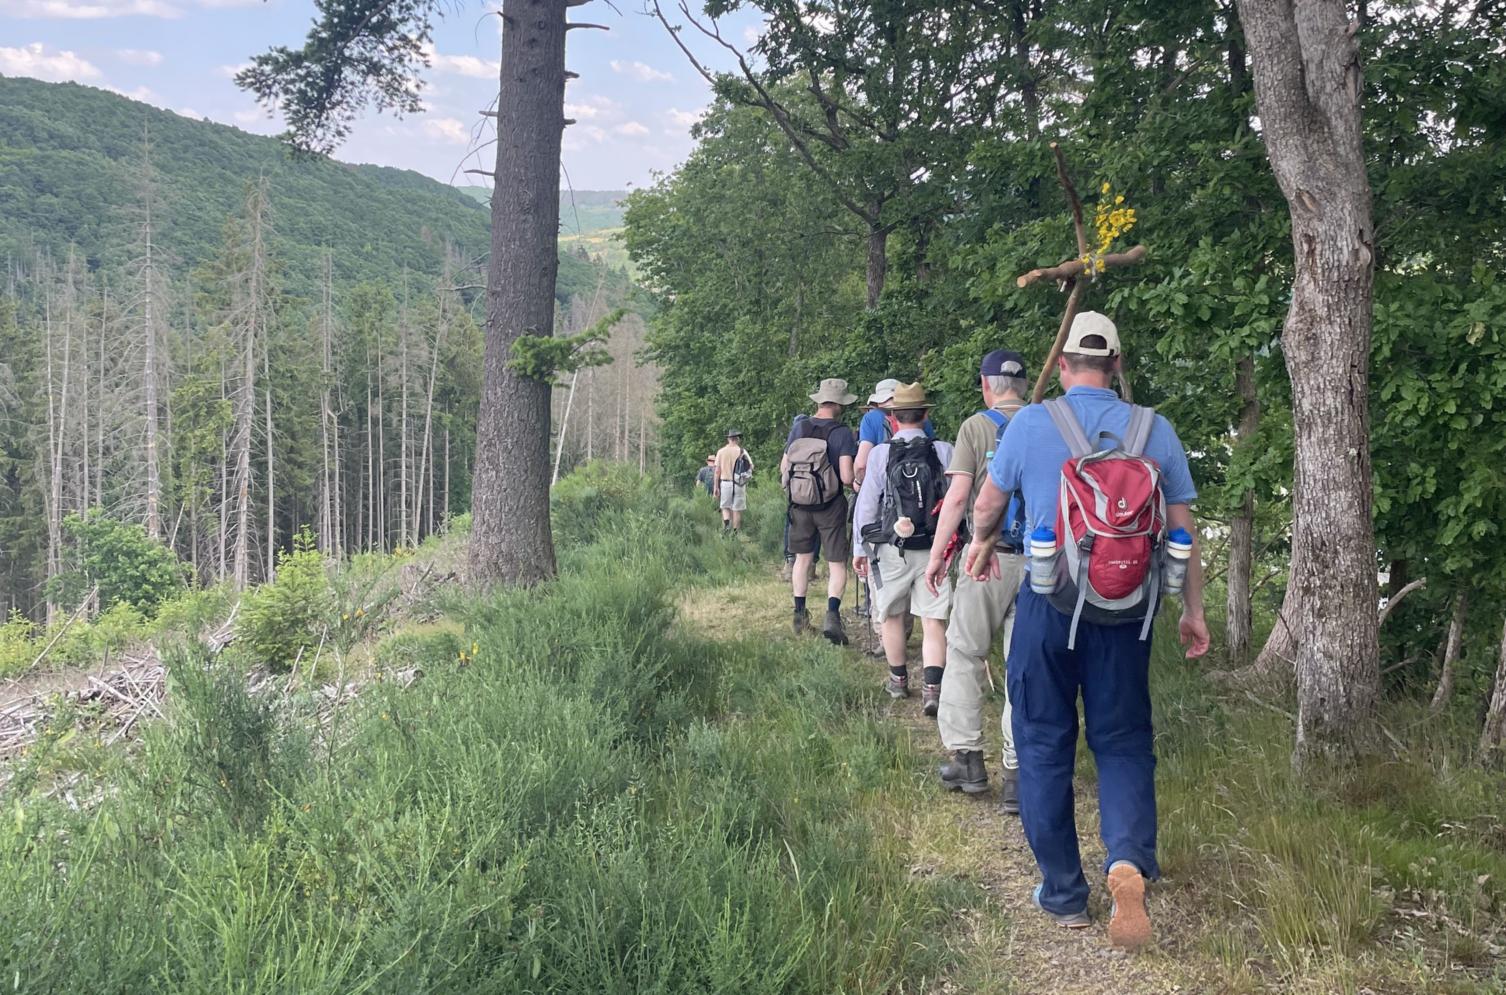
pixel 900 671
pixel 933 675
pixel 833 604
pixel 799 603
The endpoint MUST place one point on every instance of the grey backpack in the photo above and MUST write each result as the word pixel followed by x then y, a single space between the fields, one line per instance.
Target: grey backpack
pixel 809 478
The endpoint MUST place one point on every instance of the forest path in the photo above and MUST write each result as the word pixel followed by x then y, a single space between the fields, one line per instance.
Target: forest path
pixel 1002 943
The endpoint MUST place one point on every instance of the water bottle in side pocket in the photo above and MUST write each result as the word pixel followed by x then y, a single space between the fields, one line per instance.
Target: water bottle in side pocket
pixel 1178 555
pixel 1043 555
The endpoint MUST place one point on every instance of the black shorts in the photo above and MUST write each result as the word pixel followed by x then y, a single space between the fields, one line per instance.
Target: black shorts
pixel 830 522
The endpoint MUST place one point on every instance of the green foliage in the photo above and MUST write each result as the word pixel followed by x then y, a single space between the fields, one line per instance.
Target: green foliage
pixel 283 621
pixel 594 801
pixel 120 559
pixel 543 357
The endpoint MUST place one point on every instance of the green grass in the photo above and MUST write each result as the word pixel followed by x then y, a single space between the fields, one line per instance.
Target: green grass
pixel 597 801
pixel 1396 870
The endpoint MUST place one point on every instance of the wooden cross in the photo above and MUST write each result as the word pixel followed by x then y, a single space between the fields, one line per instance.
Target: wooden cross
pixel 1067 273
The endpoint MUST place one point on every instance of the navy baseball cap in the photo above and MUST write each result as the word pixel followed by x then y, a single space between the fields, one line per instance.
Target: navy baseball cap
pixel 1002 363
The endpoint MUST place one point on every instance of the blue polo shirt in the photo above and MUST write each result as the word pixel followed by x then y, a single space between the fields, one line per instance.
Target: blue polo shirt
pixel 1032 452
pixel 872 428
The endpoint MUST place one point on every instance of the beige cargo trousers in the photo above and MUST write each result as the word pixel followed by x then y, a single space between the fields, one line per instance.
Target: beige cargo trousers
pixel 979 610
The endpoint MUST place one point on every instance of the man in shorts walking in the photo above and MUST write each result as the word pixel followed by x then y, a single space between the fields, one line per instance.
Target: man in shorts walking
pixel 733 468
pixel 815 470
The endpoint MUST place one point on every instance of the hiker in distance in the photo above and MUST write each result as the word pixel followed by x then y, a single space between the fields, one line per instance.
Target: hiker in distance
pixel 1101 557
pixel 733 468
pixel 980 608
pixel 705 477
pixel 893 528
pixel 816 466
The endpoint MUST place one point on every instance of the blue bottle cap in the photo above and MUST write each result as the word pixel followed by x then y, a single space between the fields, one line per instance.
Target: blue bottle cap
pixel 1043 534
pixel 1180 536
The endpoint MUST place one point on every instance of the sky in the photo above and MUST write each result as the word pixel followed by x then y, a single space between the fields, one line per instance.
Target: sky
pixel 634 103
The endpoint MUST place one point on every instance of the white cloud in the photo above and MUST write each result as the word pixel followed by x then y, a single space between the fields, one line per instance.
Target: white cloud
pixel 88 10
pixel 684 119
pixel 230 72
pixel 640 71
pixel 141 93
pixel 37 61
pixel 447 129
pixel 251 116
pixel 582 112
pixel 463 65
pixel 188 112
pixel 139 56
pixel 631 128
pixel 751 35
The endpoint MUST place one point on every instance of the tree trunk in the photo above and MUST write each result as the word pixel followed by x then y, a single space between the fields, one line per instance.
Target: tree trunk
pixel 327 540
pixel 1493 735
pixel 1307 88
pixel 878 261
pixel 510 538
pixel 1445 689
pixel 1242 527
pixel 270 567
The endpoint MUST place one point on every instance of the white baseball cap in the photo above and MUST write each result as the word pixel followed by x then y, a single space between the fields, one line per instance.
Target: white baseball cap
pixel 1090 323
pixel 883 391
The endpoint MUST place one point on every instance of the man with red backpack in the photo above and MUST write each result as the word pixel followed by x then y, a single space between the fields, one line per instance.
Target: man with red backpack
pixel 1107 492
pixel 893 528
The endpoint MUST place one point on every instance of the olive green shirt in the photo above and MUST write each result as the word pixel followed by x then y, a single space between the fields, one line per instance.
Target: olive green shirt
pixel 974 448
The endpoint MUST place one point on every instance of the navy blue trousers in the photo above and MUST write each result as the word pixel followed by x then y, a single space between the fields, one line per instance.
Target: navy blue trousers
pixel 1110 668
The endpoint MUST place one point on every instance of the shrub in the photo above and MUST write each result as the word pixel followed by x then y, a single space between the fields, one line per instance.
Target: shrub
pixel 282 621
pixel 122 560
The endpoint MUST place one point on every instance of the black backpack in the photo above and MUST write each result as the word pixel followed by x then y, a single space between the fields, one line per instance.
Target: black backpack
pixel 914 485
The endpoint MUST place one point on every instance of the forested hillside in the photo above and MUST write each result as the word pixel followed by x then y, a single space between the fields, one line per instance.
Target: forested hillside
pixel 207 338
pixel 70 155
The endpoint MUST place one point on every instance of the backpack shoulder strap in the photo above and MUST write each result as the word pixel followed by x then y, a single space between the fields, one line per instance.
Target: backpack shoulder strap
pixel 1137 434
pixel 999 418
pixel 1065 420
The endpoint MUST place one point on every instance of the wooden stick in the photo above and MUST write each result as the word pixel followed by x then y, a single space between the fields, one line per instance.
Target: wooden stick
pixel 1071 268
pixel 1072 198
pixel 1044 377
pixel 71 619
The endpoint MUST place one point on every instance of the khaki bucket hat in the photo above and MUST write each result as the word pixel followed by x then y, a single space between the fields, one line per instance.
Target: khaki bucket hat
pixel 833 391
pixel 908 397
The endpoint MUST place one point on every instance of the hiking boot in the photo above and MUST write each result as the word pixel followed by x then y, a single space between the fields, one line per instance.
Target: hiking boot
pixel 930 700
pixel 1009 791
pixel 787 571
pixel 898 687
pixel 876 651
pixel 832 628
pixel 802 621
pixel 965 772
pixel 1067 920
pixel 1129 921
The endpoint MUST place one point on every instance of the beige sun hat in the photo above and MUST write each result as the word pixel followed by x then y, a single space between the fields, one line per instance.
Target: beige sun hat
pixel 1088 323
pixel 908 397
pixel 833 391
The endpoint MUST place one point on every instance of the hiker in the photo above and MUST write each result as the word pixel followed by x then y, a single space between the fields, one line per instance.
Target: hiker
pixel 980 609
pixel 705 478
pixel 789 557
pixel 734 468
pixel 893 527
pixel 875 429
pixel 816 466
pixel 1065 642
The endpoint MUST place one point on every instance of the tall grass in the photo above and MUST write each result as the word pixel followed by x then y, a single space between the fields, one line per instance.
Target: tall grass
pixel 593 801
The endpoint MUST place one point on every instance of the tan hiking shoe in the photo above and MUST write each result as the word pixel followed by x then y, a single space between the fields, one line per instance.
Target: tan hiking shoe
pixel 1129 922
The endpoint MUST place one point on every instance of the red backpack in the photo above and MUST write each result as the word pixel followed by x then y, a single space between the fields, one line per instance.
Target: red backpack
pixel 1111 523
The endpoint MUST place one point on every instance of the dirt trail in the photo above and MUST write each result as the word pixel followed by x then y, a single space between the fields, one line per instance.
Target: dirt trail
pixel 1005 944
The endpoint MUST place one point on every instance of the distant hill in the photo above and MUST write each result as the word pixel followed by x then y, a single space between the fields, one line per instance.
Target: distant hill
pixel 69 155
pixel 581 213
